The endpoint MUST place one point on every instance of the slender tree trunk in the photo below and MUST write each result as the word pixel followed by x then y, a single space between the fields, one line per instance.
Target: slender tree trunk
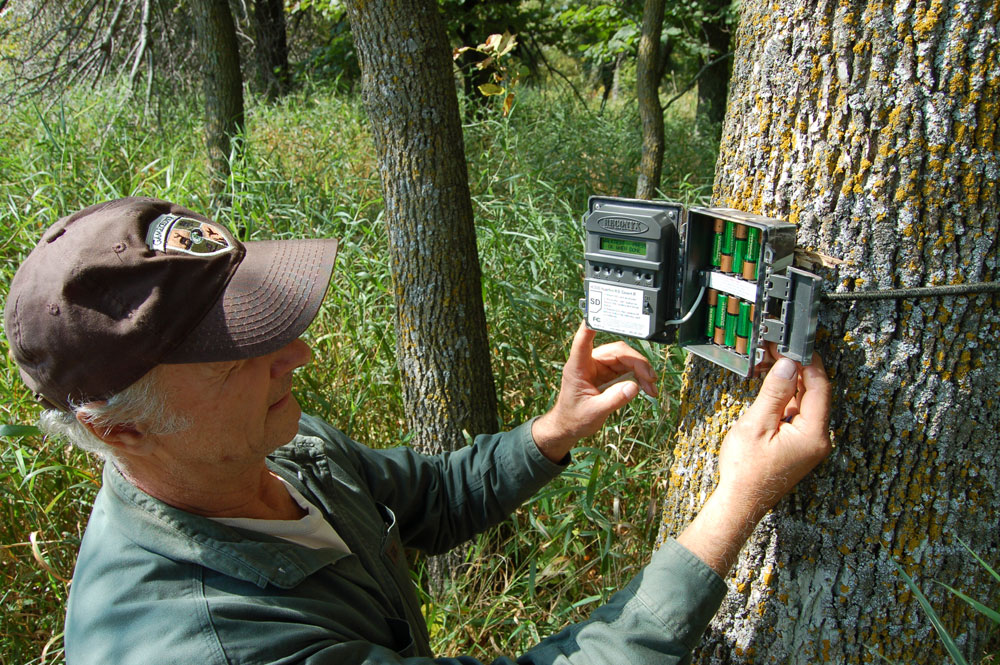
pixel 271 48
pixel 875 131
pixel 648 73
pixel 713 85
pixel 442 347
pixel 223 85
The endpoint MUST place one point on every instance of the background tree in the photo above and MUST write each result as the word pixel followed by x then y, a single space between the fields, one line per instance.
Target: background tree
pixel 875 131
pixel 271 48
pixel 713 82
pixel 441 342
pixel 649 72
pixel 222 85
pixel 701 30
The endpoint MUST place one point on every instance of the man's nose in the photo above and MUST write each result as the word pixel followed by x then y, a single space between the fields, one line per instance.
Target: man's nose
pixel 294 354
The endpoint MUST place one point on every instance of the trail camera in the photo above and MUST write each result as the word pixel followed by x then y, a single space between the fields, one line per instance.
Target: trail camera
pixel 718 281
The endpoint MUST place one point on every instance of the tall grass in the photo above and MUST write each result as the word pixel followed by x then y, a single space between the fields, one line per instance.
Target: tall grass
pixel 308 170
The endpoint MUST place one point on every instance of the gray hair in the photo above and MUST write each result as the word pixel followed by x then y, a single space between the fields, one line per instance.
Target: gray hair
pixel 142 404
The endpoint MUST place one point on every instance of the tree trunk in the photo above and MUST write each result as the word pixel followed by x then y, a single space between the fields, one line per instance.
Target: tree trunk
pixel 648 71
pixel 223 85
pixel 875 132
pixel 441 342
pixel 713 84
pixel 271 48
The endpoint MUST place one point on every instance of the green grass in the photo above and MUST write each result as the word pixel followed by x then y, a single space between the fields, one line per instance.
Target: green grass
pixel 308 170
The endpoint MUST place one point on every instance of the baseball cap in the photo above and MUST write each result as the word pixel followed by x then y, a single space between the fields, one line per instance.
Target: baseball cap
pixel 112 291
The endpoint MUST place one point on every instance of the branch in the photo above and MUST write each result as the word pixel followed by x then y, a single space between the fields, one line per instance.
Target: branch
pixel 107 43
pixel 552 69
pixel 694 80
pixel 143 43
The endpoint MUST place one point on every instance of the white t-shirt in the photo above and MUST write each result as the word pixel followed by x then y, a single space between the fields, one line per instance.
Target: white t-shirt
pixel 311 531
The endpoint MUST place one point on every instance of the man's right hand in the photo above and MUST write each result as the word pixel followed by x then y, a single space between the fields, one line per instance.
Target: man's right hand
pixel 780 438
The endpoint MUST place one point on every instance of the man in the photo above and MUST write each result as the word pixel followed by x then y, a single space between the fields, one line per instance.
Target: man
pixel 231 529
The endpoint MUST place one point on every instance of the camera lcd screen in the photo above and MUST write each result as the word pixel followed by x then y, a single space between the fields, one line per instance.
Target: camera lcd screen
pixel 636 247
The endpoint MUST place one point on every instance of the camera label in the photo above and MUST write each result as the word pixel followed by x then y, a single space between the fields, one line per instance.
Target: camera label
pixel 617 309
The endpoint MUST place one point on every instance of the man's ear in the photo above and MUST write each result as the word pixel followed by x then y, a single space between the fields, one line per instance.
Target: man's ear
pixel 124 438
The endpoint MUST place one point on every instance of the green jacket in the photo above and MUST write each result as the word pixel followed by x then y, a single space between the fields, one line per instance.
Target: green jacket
pixel 154 584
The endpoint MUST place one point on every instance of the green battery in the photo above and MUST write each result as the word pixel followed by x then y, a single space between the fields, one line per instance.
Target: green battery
pixel 713 299
pixel 720 320
pixel 744 324
pixel 752 255
pixel 739 248
pixel 732 314
pixel 728 240
pixel 728 236
pixel 720 226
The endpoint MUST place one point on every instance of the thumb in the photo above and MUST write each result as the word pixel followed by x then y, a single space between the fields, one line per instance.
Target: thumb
pixel 778 389
pixel 614 398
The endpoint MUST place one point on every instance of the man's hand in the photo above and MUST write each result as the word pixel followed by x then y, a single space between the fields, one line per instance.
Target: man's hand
pixel 582 407
pixel 779 439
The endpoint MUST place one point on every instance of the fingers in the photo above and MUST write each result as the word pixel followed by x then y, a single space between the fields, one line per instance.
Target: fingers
pixel 619 358
pixel 615 398
pixel 581 350
pixel 814 402
pixel 779 387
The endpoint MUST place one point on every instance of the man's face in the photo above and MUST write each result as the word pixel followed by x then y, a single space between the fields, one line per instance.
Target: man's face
pixel 240 411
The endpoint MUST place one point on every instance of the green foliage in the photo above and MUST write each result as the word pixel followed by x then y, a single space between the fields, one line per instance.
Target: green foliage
pixel 307 169
pixel 601 31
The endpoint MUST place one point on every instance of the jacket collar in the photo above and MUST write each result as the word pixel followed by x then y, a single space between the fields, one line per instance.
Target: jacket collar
pixel 176 534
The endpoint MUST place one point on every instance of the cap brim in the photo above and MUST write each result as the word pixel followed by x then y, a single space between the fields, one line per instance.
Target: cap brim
pixel 271 299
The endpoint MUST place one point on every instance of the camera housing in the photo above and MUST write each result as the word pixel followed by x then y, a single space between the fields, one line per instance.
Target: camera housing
pixel 717 281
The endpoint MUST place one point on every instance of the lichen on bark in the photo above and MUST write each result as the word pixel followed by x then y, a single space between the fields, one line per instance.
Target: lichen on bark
pixel 871 125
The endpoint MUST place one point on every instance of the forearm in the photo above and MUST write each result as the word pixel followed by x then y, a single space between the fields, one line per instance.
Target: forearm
pixel 718 532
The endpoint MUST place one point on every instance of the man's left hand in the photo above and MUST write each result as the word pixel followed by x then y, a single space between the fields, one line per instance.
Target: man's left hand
pixel 582 405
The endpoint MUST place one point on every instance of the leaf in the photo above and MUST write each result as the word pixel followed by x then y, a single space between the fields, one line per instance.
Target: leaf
pixel 507 44
pixel 985 565
pixel 491 42
pixel 490 89
pixel 19 430
pixel 508 103
pixel 992 615
pixel 946 639
pixel 457 53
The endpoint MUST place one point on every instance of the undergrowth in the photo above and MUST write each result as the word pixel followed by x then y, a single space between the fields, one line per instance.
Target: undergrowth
pixel 308 169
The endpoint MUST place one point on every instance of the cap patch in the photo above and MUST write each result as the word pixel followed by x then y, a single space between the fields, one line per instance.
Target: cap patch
pixel 175 233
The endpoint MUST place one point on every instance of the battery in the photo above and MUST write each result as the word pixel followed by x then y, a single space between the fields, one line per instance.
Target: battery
pixel 744 324
pixel 732 315
pixel 720 227
pixel 753 254
pixel 739 248
pixel 720 320
pixel 728 240
pixel 713 298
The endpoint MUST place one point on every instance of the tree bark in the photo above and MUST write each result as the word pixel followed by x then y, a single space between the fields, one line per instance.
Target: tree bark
pixel 648 74
pixel 271 48
pixel 875 131
pixel 223 85
pixel 441 341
